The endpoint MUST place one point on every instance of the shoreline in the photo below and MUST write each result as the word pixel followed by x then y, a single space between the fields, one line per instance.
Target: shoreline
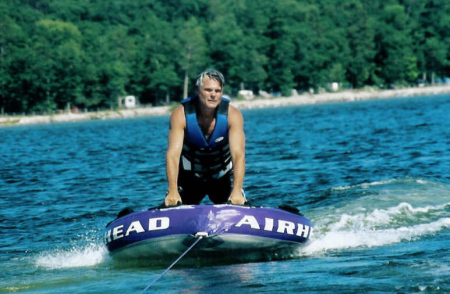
pixel 301 99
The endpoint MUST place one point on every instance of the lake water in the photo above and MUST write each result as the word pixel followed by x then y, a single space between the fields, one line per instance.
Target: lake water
pixel 372 176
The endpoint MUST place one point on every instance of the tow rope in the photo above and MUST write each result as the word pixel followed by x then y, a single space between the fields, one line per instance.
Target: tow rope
pixel 199 236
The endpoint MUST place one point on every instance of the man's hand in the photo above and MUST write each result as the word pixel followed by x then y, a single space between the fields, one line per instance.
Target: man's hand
pixel 172 199
pixel 236 197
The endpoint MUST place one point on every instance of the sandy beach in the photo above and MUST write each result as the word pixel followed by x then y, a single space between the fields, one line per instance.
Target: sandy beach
pixel 350 95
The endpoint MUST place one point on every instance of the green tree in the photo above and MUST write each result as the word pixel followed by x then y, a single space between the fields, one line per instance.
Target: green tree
pixel 154 64
pixel 88 53
pixel 56 65
pixel 117 51
pixel 12 39
pixel 396 63
pixel 433 38
pixel 193 50
pixel 233 49
pixel 322 48
pixel 359 26
pixel 251 54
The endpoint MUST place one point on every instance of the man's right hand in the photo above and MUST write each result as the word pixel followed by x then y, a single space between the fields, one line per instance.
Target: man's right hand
pixel 172 199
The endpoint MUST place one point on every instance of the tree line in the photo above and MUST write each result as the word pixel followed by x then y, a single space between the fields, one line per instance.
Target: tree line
pixel 87 53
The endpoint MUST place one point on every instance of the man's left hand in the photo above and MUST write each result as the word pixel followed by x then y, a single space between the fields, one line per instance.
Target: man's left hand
pixel 236 197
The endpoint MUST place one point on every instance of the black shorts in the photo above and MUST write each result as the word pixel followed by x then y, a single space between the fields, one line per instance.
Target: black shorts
pixel 193 189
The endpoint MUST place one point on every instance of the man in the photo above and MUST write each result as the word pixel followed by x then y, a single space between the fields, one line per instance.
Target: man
pixel 206 152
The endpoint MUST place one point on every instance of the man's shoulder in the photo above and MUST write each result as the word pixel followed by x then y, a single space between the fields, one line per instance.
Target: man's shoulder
pixel 178 110
pixel 234 115
pixel 232 110
pixel 177 118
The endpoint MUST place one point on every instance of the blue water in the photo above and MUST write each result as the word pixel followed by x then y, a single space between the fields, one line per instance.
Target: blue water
pixel 372 176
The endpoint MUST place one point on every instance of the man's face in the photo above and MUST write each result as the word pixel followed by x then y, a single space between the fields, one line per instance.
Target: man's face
pixel 210 93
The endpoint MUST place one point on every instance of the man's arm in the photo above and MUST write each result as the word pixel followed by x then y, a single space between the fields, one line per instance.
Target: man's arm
pixel 237 149
pixel 176 136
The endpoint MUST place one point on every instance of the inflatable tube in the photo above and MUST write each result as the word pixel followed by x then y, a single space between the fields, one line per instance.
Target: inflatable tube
pixel 228 229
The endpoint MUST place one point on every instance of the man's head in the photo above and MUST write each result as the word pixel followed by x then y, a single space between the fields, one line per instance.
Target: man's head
pixel 210 89
pixel 209 74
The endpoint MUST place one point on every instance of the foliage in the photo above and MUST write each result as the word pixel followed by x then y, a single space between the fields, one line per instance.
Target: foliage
pixel 55 54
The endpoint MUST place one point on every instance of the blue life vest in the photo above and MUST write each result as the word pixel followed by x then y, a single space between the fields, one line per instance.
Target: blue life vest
pixel 206 158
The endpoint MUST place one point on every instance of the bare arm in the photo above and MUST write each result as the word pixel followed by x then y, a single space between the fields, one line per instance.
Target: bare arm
pixel 176 136
pixel 237 149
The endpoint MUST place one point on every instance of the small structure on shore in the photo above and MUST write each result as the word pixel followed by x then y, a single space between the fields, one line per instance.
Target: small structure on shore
pixel 333 87
pixel 127 102
pixel 246 94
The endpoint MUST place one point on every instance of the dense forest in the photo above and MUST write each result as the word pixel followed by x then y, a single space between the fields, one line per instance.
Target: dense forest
pixel 87 53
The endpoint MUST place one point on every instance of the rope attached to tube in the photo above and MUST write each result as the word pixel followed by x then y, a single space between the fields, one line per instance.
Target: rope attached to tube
pixel 199 236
